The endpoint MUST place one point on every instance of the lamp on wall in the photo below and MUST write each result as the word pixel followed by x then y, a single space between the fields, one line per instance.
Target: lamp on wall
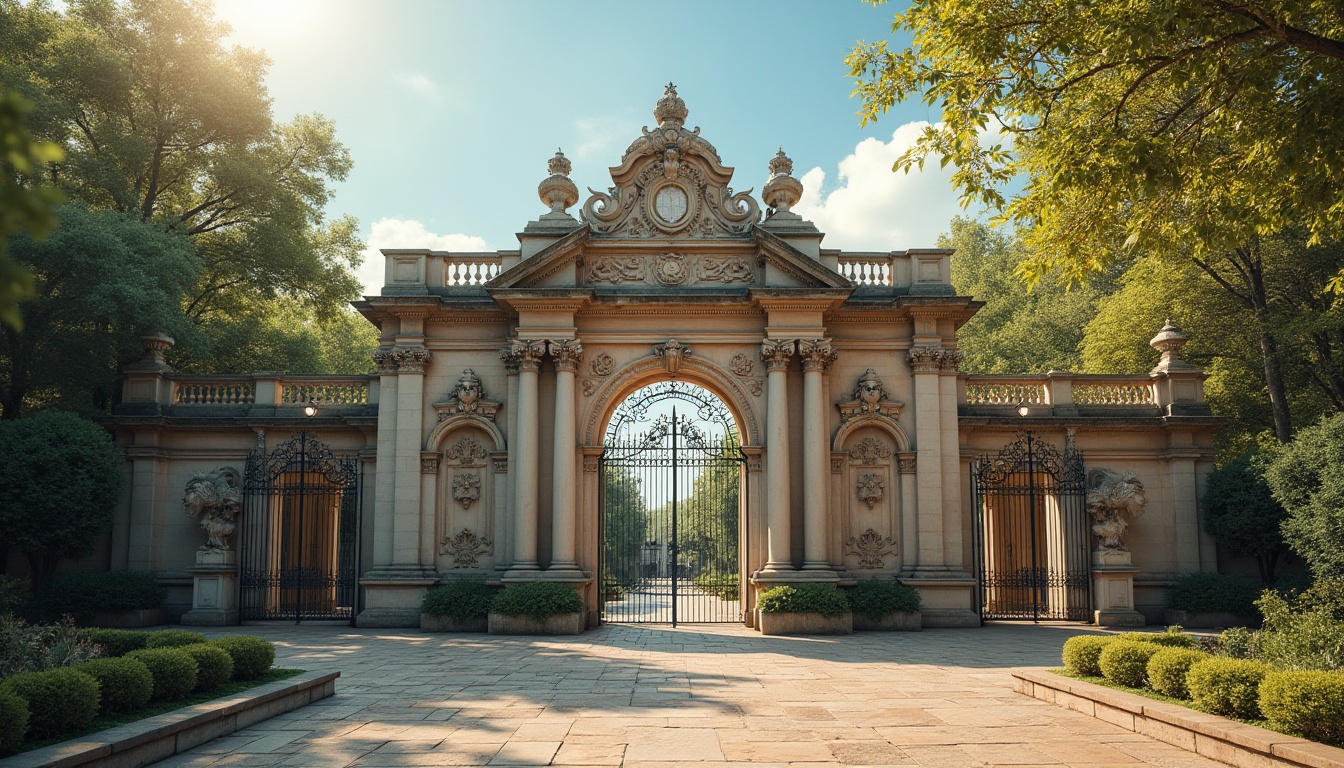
pixel 1023 409
pixel 310 409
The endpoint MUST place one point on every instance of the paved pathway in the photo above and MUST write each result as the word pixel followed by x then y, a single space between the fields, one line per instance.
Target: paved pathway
pixel 691 697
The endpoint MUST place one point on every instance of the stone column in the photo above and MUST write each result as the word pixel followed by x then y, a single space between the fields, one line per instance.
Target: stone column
pixel 776 354
pixel 817 356
pixel 925 363
pixel 953 555
pixel 406 533
pixel 528 354
pixel 504 534
pixel 566 355
pixel 385 472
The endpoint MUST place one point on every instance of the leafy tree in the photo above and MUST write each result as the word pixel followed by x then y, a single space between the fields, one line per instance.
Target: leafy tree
pixel 23 205
pixel 1307 478
pixel 283 335
pixel 1241 514
pixel 100 280
pixel 60 477
pixel 625 520
pixel 707 521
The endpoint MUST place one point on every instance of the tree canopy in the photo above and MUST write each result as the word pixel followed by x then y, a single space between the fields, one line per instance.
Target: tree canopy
pixel 24 205
pixel 1307 478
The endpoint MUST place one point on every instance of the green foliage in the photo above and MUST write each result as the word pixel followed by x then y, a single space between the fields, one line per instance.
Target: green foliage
pixel 60 477
pixel 625 523
pixel 1213 592
pixel 1307 478
pixel 59 700
pixel 15 592
pixel 460 600
pixel 538 600
pixel 124 684
pixel 81 593
pixel 725 586
pixel 1082 654
pixel 803 598
pixel 174 671
pixel 13 721
pixel 283 334
pixel 28 647
pixel 1167 670
pixel 1238 643
pixel 1309 703
pixel 118 642
pixel 24 205
pixel 1305 631
pixel 214 666
pixel 1126 661
pixel 1240 512
pixel 1172 638
pixel 1228 687
pixel 707 540
pixel 252 656
pixel 878 599
pixel 174 638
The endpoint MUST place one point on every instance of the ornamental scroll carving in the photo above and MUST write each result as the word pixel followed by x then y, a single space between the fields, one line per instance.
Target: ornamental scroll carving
pixel 467 489
pixel 617 270
pixel 466 548
pixel 870 488
pixel 869 451
pixel 466 451
pixel 871 547
pixel 724 270
pixel 870 398
pixel 742 365
pixel 671 269
pixel 602 365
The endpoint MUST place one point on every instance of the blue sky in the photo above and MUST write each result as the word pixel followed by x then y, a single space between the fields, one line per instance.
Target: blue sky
pixel 451 109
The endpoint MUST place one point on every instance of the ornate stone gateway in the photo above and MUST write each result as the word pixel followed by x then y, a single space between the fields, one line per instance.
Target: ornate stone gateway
pixel 1032 539
pixel 671 500
pixel 299 534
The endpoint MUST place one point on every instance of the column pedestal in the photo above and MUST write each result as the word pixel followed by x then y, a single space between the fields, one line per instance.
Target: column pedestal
pixel 1113 589
pixel 214 590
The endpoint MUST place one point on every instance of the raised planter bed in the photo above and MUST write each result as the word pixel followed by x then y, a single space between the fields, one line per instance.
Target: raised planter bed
pixel 1203 619
pixel 559 624
pixel 448 624
pixel 806 624
pixel 1217 738
pixel 900 621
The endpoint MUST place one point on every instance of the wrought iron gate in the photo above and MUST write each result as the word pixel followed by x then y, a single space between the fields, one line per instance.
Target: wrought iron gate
pixel 300 534
pixel 670 502
pixel 1031 535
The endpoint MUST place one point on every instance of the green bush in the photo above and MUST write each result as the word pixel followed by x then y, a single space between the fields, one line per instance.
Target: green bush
pixel 1227 686
pixel 214 665
pixel 878 599
pixel 1305 478
pixel 462 600
pixel 174 638
pixel 118 642
pixel 59 700
pixel 1172 638
pixel 28 647
pixel 125 684
pixel 1305 631
pixel 725 586
pixel 1126 661
pixel 1238 643
pixel 1082 654
pixel 252 656
pixel 1309 702
pixel 14 594
pixel 803 598
pixel 1214 592
pixel 538 600
pixel 13 721
pixel 82 593
pixel 1240 512
pixel 173 669
pixel 1167 670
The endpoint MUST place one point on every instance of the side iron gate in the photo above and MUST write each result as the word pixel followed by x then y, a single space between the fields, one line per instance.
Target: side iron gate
pixel 670 500
pixel 300 534
pixel 1031 535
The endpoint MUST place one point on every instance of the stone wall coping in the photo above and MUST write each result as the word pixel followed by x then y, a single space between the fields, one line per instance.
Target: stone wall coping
pixel 1215 737
pixel 162 736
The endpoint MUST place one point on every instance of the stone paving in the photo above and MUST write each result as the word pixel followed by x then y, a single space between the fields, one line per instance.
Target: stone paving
pixel 691 697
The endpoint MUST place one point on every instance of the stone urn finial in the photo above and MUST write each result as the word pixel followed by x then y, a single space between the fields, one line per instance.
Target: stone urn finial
pixel 1169 341
pixel 556 190
pixel 782 191
pixel 155 346
pixel 670 109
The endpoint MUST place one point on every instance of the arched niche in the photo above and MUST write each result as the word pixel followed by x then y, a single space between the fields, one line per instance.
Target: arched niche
pixel 873 487
pixel 466 456
pixel 652 369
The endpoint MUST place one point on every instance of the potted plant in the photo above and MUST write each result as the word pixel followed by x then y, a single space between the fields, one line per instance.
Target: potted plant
pixel 804 609
pixel 537 608
pixel 458 606
pixel 1207 600
pixel 884 606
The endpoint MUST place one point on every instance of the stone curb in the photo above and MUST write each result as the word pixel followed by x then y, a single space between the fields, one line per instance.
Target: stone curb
pixel 1217 738
pixel 162 736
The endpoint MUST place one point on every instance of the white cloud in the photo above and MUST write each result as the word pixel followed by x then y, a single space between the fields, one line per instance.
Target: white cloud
pixel 876 209
pixel 419 84
pixel 603 138
pixel 406 233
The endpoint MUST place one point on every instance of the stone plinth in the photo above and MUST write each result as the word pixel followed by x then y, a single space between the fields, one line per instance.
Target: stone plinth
pixel 900 621
pixel 1113 589
pixel 805 623
pixel 392 601
pixel 214 589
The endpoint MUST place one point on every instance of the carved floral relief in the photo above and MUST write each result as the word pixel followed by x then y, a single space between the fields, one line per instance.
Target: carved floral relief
pixel 465 547
pixel 467 489
pixel 870 489
pixel 871 547
pixel 869 450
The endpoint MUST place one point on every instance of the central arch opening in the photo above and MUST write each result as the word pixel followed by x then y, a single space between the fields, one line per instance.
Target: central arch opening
pixel 672 497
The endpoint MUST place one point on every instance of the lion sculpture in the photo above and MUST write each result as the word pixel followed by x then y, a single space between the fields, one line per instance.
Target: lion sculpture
pixel 216 499
pixel 1111 496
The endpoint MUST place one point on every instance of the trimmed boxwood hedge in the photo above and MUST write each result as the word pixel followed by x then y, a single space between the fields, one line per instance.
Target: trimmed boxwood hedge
pixel 252 656
pixel 1126 662
pixel 1082 653
pixel 878 599
pixel 173 669
pixel 87 592
pixel 174 638
pixel 124 684
pixel 461 600
pixel 13 721
pixel 59 700
pixel 214 666
pixel 803 598
pixel 1172 638
pixel 1214 592
pixel 1167 670
pixel 537 600
pixel 1227 686
pixel 119 642
pixel 1309 702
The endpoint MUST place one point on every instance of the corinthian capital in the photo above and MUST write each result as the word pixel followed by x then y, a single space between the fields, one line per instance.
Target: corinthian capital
pixel 951 362
pixel 816 354
pixel 386 360
pixel 527 353
pixel 567 353
pixel 776 353
pixel 412 359
pixel 924 359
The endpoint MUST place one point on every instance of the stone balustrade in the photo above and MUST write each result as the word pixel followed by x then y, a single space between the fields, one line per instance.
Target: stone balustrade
pixel 867 269
pixel 419 270
pixel 213 391
pixel 918 270
pixel 1060 393
pixel 190 392
pixel 1005 390
pixel 323 391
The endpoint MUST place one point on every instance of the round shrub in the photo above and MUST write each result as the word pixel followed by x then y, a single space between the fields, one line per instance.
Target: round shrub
pixel 118 642
pixel 461 600
pixel 1082 654
pixel 1309 702
pixel 125 684
pixel 13 721
pixel 1227 686
pixel 1172 638
pixel 252 656
pixel 1126 662
pixel 214 666
pixel 59 700
pixel 878 599
pixel 537 600
pixel 803 598
pixel 1168 667
pixel 173 669
pixel 174 638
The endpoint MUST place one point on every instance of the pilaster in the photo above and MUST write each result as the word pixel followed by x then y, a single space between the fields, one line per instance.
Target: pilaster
pixel 527 354
pixel 566 355
pixel 412 360
pixel 925 364
pixel 776 354
pixel 817 356
pixel 385 473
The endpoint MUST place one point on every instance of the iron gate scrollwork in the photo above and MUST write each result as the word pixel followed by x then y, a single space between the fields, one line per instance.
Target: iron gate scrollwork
pixel 300 534
pixel 1031 534
pixel 671 493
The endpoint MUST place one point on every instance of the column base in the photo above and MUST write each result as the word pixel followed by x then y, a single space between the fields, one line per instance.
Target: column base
pixel 392 599
pixel 565 573
pixel 822 574
pixel 523 573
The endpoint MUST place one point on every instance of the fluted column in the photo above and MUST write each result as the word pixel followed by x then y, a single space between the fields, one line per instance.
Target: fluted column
pixel 566 355
pixel 527 353
pixel 817 356
pixel 776 355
